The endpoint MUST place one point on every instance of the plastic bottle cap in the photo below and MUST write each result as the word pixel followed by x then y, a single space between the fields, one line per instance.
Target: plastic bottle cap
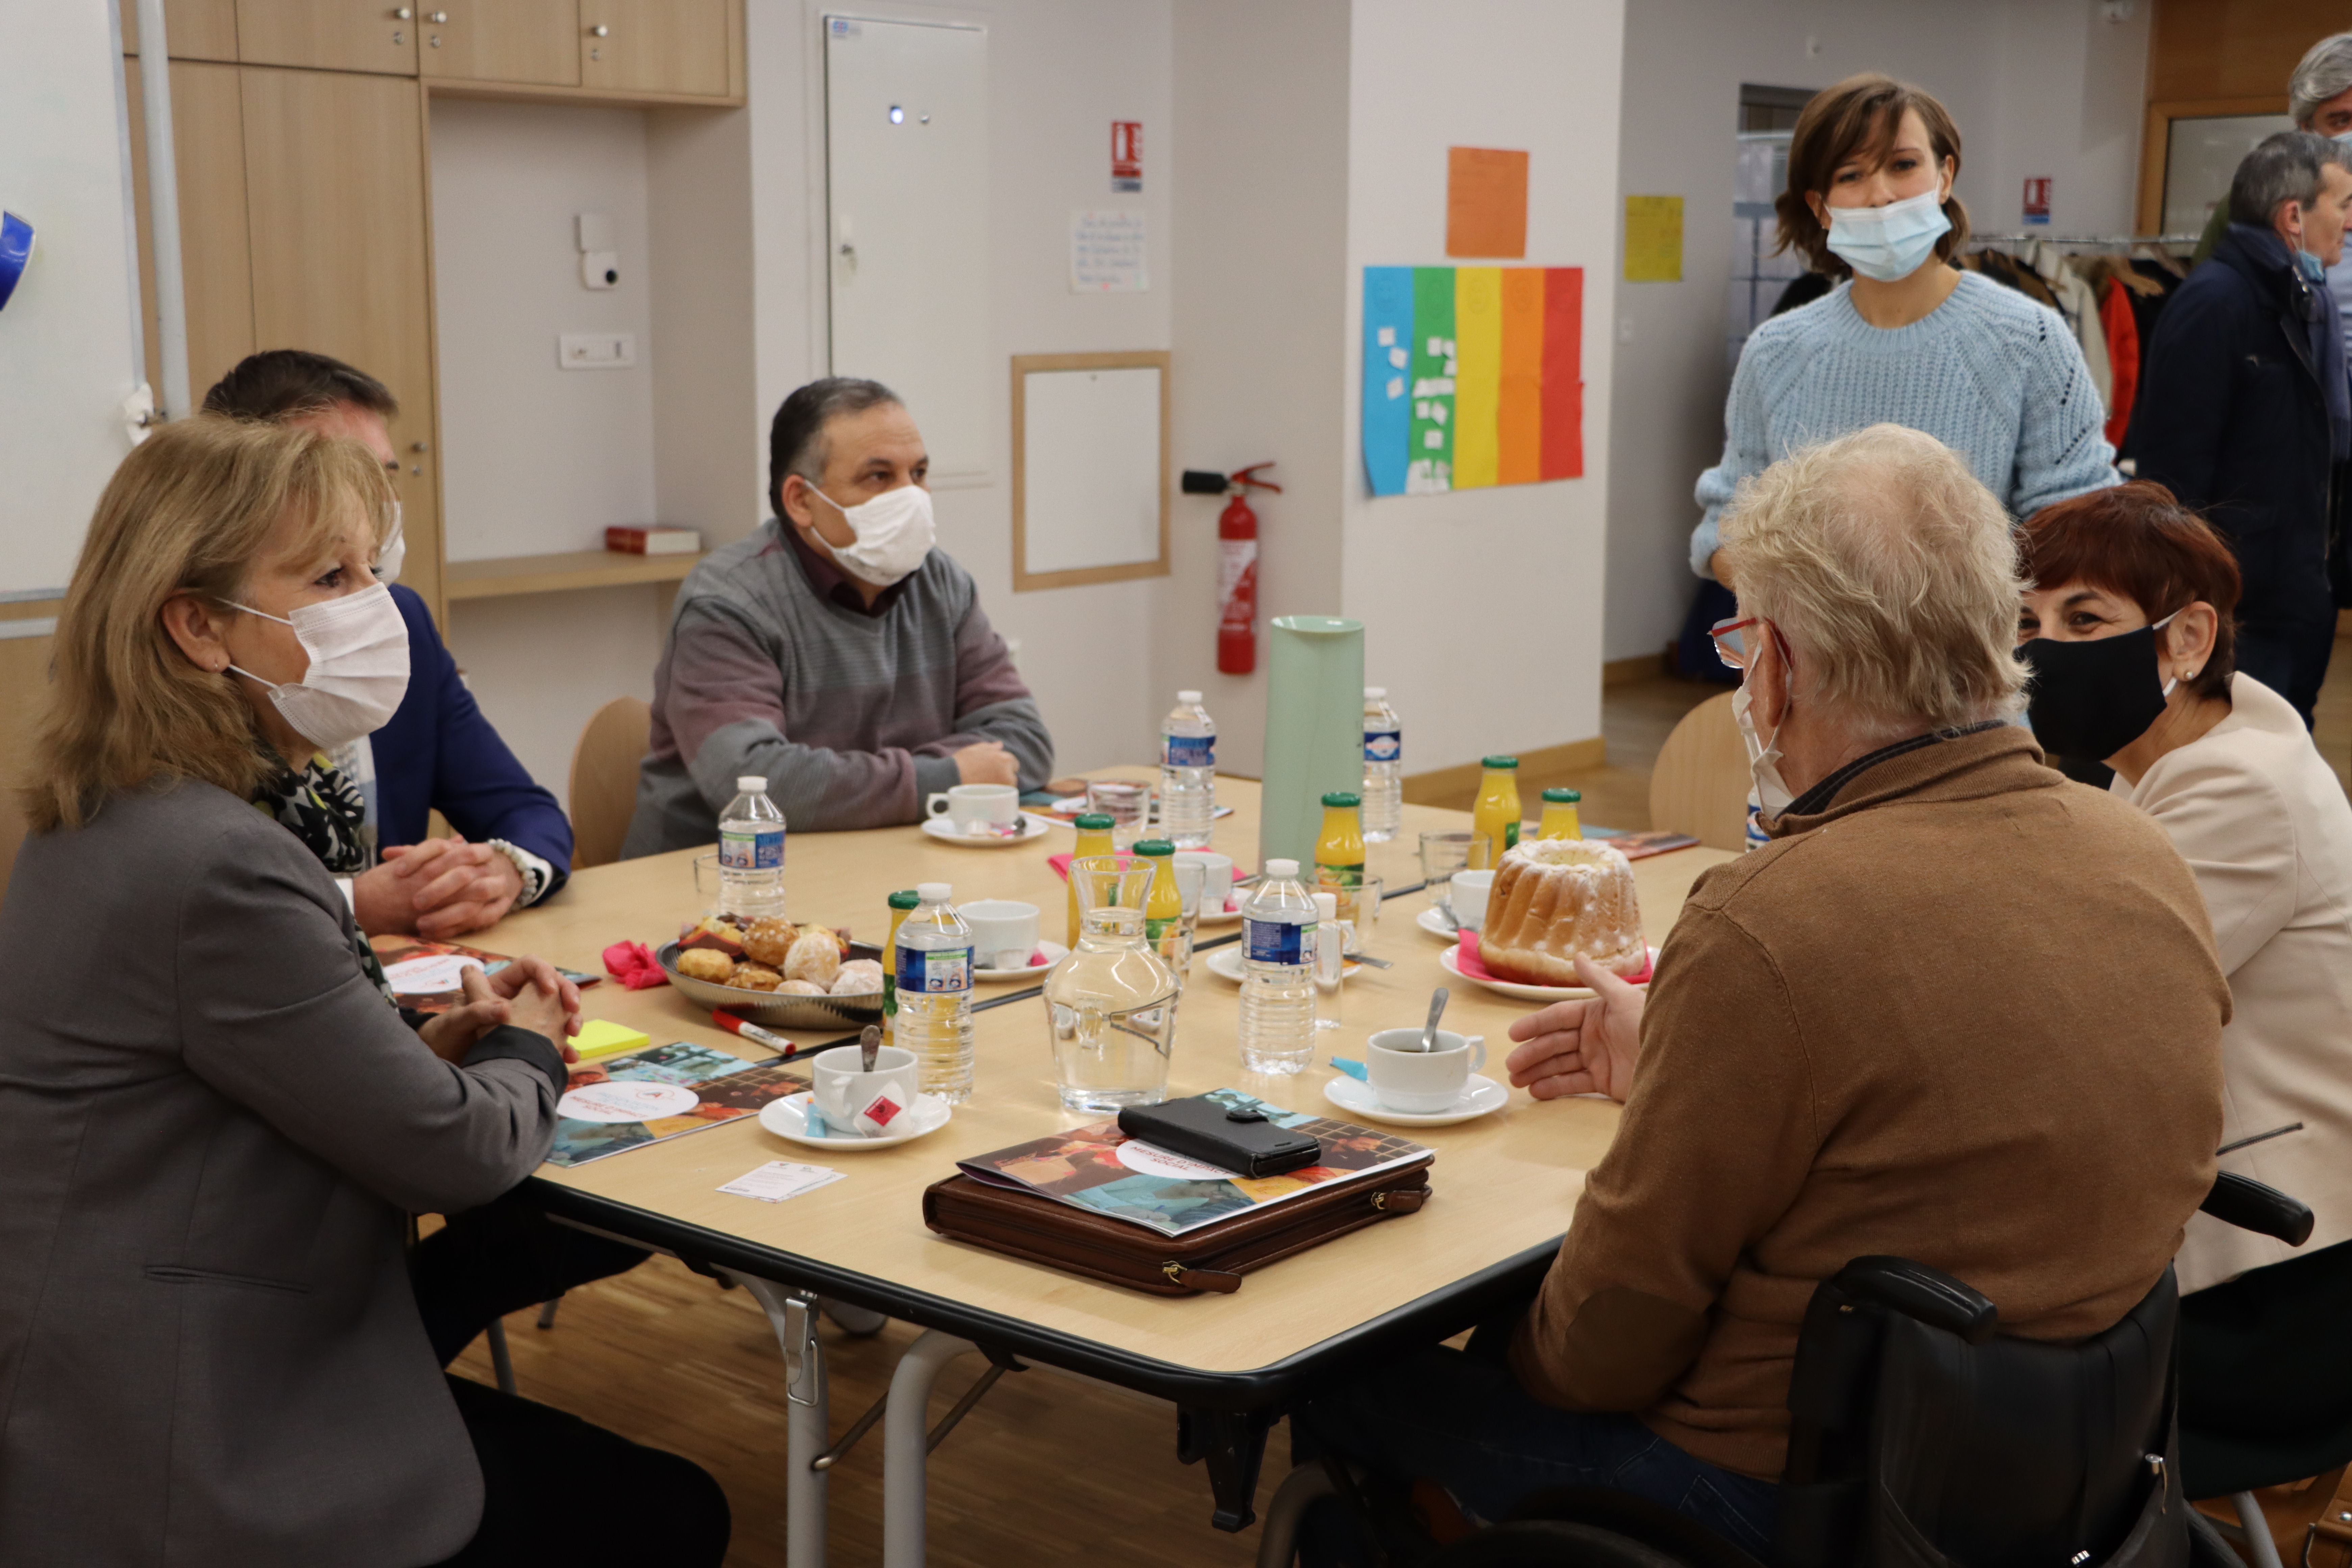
pixel 751 784
pixel 1498 761
pixel 1347 797
pixel 1155 846
pixel 1281 871
pixel 1192 697
pixel 905 898
pixel 1095 822
pixel 935 892
pixel 1326 905
pixel 1379 691
pixel 1563 796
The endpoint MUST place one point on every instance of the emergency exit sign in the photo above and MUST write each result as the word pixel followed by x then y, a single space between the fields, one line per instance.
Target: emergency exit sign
pixel 1127 155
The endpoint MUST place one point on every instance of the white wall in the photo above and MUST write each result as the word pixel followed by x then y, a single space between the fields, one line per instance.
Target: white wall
pixel 1059 72
pixel 539 665
pixel 1483 609
pixel 2038 87
pixel 538 459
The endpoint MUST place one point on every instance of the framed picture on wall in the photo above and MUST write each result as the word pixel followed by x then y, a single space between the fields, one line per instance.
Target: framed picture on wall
pixel 1089 467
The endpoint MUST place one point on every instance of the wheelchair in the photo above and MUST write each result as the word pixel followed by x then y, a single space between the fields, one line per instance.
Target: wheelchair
pixel 1920 1437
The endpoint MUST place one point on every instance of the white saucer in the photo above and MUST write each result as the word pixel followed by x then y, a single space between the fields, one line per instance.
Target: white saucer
pixel 1225 963
pixel 1033 827
pixel 1527 993
pixel 1480 1095
pixel 1055 953
pixel 1224 917
pixel 1429 920
pixel 788 1118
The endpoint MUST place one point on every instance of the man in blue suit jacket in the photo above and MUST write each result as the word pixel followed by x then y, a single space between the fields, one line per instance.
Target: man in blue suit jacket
pixel 510 843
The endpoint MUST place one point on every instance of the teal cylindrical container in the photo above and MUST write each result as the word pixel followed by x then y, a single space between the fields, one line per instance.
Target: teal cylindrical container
pixel 1314 729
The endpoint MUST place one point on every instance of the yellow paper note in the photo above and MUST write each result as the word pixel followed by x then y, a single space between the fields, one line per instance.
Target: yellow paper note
pixel 602 1037
pixel 1653 239
pixel 1477 377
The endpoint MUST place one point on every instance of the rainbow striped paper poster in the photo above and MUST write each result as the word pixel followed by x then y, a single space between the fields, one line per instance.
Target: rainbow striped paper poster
pixel 1473 376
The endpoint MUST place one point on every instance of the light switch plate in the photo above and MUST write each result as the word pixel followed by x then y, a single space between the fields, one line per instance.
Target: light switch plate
pixel 597 350
pixel 594 231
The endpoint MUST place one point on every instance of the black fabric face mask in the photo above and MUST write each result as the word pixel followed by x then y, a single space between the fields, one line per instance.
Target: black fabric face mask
pixel 2091 700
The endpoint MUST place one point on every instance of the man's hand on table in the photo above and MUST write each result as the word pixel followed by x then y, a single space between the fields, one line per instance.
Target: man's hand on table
pixel 528 992
pixel 987 763
pixel 1583 1046
pixel 441 888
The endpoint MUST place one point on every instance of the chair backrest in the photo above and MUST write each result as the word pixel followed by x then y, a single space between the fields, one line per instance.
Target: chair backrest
pixel 1700 784
pixel 604 779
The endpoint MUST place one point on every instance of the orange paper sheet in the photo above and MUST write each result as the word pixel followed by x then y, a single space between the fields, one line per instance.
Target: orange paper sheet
pixel 1518 414
pixel 1485 201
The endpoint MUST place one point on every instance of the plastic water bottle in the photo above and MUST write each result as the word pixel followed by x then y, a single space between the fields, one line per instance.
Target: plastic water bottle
pixel 751 853
pixel 931 959
pixel 1383 767
pixel 1278 936
pixel 1187 772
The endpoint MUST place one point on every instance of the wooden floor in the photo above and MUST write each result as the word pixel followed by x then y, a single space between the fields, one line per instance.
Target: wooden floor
pixel 1049 1470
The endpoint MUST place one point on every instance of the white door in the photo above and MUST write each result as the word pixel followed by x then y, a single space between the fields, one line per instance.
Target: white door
pixel 906 190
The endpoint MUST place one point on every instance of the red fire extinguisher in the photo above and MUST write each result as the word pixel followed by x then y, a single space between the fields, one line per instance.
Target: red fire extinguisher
pixel 1236 563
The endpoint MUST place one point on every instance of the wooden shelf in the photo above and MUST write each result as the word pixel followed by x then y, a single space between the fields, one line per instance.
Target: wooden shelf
pixel 560 572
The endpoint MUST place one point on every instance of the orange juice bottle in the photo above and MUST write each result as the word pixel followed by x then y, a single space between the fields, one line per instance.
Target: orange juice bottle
pixel 1339 852
pixel 1495 817
pixel 1093 838
pixel 1163 907
pixel 1560 815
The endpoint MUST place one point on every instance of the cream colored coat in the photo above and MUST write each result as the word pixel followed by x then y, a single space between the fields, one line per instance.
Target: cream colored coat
pixel 2264 823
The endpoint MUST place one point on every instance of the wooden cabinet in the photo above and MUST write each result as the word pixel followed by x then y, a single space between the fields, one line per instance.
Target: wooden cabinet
pixel 198 29
pixel 655 46
pixel 534 41
pixel 329 35
pixel 216 255
pixel 334 171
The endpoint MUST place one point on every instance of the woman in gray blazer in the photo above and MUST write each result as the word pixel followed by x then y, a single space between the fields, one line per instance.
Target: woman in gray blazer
pixel 214 1120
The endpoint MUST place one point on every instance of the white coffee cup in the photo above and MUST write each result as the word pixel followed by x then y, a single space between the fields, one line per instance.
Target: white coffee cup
pixel 1216 878
pixel 1466 895
pixel 1003 932
pixel 1407 1080
pixel 967 804
pixel 874 1103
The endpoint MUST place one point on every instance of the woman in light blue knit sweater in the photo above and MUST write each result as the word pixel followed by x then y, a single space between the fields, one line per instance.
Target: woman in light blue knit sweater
pixel 1908 339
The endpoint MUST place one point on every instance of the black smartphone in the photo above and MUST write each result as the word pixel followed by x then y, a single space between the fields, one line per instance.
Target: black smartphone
pixel 1242 1140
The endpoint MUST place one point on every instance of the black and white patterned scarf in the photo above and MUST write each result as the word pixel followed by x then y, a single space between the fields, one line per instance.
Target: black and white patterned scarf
pixel 322 809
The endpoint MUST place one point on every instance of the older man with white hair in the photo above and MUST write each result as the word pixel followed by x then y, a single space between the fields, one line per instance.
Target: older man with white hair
pixel 1959 1010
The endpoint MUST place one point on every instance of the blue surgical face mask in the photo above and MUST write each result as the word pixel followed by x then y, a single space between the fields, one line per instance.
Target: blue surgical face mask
pixel 1889 243
pixel 2313 267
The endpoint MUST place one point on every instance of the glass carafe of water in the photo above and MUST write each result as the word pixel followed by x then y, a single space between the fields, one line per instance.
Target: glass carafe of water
pixel 1112 1003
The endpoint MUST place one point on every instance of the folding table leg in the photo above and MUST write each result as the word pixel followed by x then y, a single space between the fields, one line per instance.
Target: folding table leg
pixel 906 1445
pixel 793 1315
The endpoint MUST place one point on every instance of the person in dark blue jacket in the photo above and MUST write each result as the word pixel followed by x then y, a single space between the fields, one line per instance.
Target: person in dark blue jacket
pixel 510 845
pixel 2244 411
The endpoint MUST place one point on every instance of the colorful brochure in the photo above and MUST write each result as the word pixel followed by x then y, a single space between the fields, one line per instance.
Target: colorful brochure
pixel 425 974
pixel 1101 1169
pixel 647 1097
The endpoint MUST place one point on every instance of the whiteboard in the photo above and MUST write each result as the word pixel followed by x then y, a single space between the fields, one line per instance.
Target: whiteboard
pixel 67 350
pixel 1090 469
pixel 905 111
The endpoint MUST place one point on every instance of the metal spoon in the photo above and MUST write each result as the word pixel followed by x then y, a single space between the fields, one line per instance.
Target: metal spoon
pixel 1367 958
pixel 1437 1000
pixel 869 1044
pixel 1444 911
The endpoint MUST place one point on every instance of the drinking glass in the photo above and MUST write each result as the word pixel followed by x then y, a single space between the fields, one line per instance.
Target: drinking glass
pixel 1360 906
pixel 706 883
pixel 1125 804
pixel 1111 1004
pixel 1442 855
pixel 1176 947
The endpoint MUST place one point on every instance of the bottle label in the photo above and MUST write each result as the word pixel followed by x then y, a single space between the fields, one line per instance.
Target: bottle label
pixel 1278 942
pixel 1510 835
pixel 1383 745
pixel 934 971
pixel 1154 930
pixel 1189 750
pixel 1330 876
pixel 758 849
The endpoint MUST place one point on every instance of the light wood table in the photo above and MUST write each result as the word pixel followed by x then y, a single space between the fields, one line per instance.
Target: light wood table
pixel 1504 1184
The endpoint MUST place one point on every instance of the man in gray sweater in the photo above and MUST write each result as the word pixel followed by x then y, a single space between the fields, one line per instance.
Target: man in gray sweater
pixel 836 651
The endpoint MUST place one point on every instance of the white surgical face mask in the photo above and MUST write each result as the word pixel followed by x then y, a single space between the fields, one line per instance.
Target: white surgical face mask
pixel 359 667
pixel 894 530
pixel 388 560
pixel 1889 243
pixel 1772 794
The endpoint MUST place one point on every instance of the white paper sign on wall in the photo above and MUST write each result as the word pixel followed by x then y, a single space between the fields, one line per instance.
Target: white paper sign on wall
pixel 1107 251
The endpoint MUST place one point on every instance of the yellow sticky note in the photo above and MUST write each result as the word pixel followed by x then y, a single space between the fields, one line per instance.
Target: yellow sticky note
pixel 602 1037
pixel 1653 239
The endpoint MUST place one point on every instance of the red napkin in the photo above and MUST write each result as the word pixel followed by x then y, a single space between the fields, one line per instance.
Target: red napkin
pixel 631 963
pixel 1466 958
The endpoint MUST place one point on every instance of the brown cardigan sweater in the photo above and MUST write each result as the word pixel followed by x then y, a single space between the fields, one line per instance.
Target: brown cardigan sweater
pixel 1968 1013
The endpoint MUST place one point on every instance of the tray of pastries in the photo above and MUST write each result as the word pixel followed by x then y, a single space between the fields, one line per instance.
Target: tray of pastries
pixel 777 972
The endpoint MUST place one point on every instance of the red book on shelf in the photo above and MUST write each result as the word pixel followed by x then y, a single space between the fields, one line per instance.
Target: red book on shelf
pixel 655 539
